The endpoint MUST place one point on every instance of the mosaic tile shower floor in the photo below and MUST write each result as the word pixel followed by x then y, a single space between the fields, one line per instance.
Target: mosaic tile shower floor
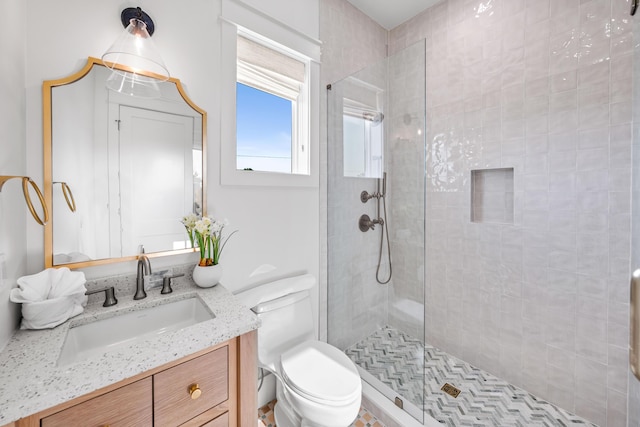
pixel 485 400
pixel 365 419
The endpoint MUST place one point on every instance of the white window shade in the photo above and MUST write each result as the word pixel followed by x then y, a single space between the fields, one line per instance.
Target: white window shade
pixel 262 57
pixel 268 81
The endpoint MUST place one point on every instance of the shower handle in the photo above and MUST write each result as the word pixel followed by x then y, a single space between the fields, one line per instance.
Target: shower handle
pixel 365 196
pixel 365 223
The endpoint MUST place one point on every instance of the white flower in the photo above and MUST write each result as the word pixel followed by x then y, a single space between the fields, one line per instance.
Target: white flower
pixel 206 233
pixel 189 220
pixel 202 226
pixel 216 227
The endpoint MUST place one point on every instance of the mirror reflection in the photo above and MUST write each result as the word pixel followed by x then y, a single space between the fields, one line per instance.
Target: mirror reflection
pixel 132 166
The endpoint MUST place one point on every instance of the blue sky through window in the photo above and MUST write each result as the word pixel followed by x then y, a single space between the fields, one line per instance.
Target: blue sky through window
pixel 263 130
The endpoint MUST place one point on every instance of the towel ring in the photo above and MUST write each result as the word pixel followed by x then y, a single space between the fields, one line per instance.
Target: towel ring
pixel 25 190
pixel 68 195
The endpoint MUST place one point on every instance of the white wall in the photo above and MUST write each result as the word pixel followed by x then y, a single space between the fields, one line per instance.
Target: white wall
pixel 13 214
pixel 302 16
pixel 278 226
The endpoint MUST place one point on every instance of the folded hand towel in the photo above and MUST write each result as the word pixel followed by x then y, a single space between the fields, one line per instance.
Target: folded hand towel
pixel 66 282
pixel 50 297
pixel 52 312
pixel 32 288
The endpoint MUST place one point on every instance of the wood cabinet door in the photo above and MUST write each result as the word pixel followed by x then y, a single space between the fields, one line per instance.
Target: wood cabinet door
pixel 221 421
pixel 172 399
pixel 128 406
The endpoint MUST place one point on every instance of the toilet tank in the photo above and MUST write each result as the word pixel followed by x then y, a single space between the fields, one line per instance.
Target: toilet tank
pixel 285 310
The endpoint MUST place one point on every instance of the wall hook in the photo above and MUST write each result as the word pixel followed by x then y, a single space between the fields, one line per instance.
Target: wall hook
pixel 25 190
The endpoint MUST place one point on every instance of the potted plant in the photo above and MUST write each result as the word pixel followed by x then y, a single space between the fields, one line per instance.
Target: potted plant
pixel 207 235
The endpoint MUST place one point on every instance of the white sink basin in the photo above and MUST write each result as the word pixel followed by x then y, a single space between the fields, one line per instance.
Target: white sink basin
pixel 98 337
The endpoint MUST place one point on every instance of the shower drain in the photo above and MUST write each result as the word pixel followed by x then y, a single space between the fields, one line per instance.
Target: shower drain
pixel 450 390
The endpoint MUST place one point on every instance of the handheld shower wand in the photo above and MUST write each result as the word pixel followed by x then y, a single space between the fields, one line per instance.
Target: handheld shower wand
pixel 384 233
pixel 384 184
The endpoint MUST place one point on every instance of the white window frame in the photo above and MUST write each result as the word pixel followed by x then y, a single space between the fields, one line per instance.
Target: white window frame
pixel 234 17
pixel 268 82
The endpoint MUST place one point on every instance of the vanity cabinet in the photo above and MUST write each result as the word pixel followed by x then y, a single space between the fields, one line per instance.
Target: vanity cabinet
pixel 191 388
pixel 130 405
pixel 215 387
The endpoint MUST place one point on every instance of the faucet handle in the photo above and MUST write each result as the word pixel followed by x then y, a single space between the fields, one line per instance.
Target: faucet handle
pixel 166 283
pixel 109 295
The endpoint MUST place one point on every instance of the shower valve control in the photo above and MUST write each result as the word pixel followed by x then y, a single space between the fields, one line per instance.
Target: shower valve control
pixel 365 223
pixel 365 196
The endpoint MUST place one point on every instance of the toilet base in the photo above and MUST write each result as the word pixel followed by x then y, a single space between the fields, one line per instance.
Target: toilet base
pixel 286 416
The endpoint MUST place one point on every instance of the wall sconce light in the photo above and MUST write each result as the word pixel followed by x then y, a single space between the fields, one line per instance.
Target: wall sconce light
pixel 25 190
pixel 134 52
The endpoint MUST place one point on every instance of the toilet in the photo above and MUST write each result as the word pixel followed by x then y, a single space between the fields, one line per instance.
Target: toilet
pixel 318 385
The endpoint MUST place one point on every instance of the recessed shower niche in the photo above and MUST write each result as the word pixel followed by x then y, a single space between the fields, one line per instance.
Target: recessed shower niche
pixel 492 197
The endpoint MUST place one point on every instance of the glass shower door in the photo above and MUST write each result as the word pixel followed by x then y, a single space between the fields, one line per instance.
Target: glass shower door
pixel 376 204
pixel 634 351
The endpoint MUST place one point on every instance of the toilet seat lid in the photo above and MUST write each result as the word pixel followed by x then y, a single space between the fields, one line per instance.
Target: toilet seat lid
pixel 320 371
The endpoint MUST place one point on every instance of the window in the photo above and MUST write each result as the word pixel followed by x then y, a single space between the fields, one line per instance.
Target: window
pixel 264 122
pixel 279 63
pixel 363 133
pixel 272 111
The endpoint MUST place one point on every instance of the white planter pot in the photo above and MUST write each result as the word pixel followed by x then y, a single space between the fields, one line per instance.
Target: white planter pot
pixel 207 277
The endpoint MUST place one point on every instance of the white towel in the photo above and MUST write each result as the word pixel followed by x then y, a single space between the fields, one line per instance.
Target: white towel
pixel 50 297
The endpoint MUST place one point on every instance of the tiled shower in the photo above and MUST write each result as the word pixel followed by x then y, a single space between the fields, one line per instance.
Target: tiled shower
pixel 519 262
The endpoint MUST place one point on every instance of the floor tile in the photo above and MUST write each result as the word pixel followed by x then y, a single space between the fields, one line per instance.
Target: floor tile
pixel 401 361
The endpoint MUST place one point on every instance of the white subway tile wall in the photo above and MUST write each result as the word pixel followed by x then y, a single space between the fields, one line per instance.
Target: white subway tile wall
pixel 543 87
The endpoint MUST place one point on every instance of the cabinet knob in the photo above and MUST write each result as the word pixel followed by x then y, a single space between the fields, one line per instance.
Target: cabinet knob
pixel 194 391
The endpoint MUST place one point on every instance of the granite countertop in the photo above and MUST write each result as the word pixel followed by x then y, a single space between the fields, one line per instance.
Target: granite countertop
pixel 31 381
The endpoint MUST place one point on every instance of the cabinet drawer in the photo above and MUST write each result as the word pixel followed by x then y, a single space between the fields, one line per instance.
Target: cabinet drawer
pixel 127 406
pixel 221 421
pixel 171 388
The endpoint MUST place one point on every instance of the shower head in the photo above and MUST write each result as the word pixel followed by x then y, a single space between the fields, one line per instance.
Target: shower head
pixel 376 117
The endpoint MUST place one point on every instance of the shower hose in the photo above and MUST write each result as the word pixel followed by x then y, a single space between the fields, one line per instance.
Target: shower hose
pixel 383 234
